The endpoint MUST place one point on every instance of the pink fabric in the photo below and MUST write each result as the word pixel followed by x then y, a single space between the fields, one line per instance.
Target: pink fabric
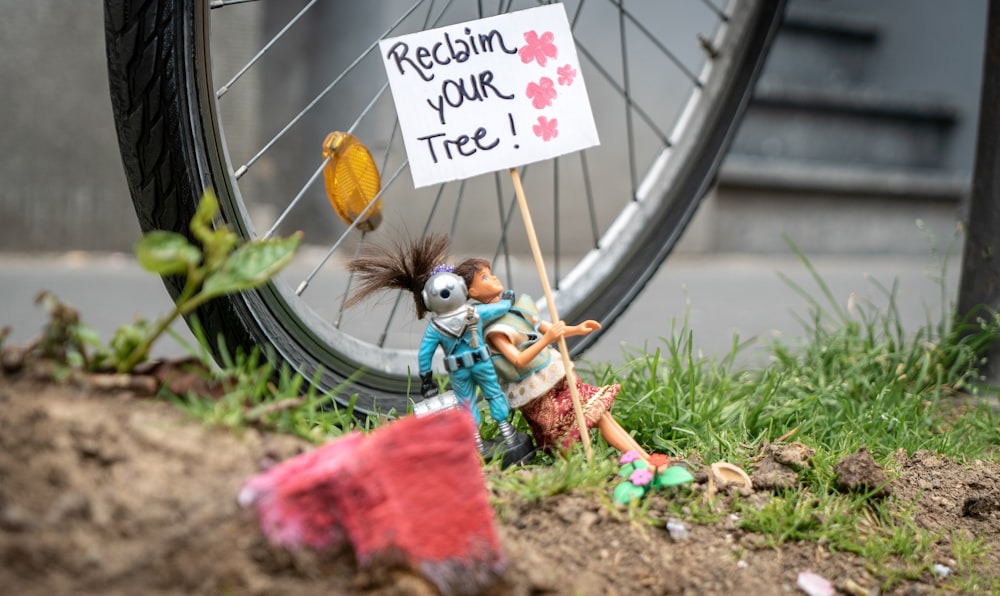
pixel 553 420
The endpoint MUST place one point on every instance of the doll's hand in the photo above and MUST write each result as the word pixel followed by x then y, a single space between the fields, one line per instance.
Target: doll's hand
pixel 555 331
pixel 428 388
pixel 585 328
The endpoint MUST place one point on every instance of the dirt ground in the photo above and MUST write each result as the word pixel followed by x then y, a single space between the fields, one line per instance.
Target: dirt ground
pixel 108 492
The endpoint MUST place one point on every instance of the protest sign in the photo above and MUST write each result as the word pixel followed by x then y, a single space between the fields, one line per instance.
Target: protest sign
pixel 488 95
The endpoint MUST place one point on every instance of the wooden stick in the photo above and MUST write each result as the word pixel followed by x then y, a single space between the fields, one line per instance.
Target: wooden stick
pixel 536 252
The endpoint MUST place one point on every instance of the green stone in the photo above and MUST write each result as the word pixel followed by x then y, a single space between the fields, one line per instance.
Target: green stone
pixel 674 476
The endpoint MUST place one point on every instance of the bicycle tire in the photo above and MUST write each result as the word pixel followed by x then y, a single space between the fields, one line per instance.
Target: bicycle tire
pixel 172 148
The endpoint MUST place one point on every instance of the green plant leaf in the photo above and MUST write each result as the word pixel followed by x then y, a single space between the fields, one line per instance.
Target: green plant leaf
pixel 126 339
pixel 217 242
pixel 86 335
pixel 166 253
pixel 201 223
pixel 673 476
pixel 218 246
pixel 626 470
pixel 251 265
pixel 626 492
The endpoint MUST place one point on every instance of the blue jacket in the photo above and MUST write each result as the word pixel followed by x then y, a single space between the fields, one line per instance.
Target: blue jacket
pixel 452 345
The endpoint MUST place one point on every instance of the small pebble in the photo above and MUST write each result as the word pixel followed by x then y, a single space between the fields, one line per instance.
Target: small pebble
pixel 852 587
pixel 814 585
pixel 677 529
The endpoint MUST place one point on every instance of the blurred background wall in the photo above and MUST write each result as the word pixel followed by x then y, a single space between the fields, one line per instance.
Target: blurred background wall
pixel 862 123
pixel 61 181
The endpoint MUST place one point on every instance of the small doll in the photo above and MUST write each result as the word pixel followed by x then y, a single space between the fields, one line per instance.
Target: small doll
pixel 532 372
pixel 456 325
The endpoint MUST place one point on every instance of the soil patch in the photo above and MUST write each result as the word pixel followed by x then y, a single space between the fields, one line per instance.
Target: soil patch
pixel 108 492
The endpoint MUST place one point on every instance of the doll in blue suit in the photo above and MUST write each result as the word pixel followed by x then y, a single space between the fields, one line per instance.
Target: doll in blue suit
pixel 456 325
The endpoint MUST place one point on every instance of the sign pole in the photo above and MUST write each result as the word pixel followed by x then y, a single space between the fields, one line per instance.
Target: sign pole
pixel 536 252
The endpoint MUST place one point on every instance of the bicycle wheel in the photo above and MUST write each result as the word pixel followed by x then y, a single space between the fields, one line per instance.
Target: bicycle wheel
pixel 668 82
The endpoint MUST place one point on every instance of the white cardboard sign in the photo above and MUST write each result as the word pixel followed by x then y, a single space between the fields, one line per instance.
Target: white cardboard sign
pixel 489 94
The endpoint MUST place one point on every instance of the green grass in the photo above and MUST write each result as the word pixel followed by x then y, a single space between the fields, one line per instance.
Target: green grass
pixel 256 394
pixel 859 378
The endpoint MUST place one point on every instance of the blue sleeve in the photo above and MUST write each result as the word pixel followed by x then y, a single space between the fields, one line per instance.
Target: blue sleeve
pixel 492 311
pixel 428 345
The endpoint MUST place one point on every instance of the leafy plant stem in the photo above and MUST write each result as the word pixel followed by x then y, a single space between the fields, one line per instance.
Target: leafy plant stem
pixel 183 306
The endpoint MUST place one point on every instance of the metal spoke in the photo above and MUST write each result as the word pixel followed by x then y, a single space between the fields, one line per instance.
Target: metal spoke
pixel 589 192
pixel 221 3
pixel 369 107
pixel 222 90
pixel 399 295
pixel 505 218
pixel 383 337
pixel 579 11
pixel 502 248
pixel 361 242
pixel 350 278
pixel 611 81
pixel 453 230
pixel 243 169
pixel 361 217
pixel 718 11
pixel 385 160
pixel 298 197
pixel 316 174
pixel 659 45
pixel 629 132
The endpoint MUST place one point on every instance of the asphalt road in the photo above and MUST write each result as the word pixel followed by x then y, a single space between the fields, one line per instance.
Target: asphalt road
pixel 722 297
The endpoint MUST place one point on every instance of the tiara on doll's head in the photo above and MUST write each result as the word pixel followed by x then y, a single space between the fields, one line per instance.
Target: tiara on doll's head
pixel 442 269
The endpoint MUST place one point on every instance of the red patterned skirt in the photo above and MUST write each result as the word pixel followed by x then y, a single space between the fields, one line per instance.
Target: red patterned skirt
pixel 552 419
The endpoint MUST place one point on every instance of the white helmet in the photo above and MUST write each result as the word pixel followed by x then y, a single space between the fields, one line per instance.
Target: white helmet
pixel 444 292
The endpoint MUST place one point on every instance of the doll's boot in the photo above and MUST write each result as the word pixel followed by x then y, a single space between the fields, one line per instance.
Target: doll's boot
pixel 512 447
pixel 508 433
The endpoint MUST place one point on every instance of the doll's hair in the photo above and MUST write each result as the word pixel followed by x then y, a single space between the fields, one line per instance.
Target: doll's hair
pixel 404 266
pixel 468 269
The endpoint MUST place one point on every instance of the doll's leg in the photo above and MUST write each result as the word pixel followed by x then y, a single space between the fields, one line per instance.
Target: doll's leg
pixel 486 377
pixel 465 393
pixel 618 437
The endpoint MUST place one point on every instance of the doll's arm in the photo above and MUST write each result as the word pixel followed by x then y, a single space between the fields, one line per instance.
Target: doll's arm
pixel 506 348
pixel 585 328
pixel 492 311
pixel 428 345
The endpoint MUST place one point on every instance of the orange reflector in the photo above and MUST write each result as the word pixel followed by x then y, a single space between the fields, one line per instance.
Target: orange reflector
pixel 352 180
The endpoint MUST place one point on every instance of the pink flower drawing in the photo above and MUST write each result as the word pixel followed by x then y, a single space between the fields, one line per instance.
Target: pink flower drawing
pixel 566 74
pixel 547 129
pixel 538 48
pixel 641 477
pixel 629 457
pixel 541 93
